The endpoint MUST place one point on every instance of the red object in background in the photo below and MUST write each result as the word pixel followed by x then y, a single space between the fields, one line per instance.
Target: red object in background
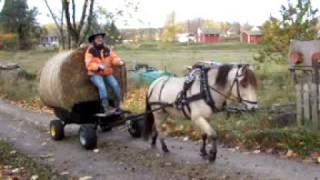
pixel 208 38
pixel 251 38
pixel 1 45
pixel 316 57
pixel 296 57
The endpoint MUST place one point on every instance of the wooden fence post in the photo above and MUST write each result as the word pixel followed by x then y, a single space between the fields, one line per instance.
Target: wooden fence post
pixel 299 104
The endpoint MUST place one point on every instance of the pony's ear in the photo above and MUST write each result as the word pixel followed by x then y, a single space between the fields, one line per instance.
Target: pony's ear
pixel 244 68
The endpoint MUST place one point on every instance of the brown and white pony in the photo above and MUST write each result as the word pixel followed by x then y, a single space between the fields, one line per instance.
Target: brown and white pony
pixel 226 82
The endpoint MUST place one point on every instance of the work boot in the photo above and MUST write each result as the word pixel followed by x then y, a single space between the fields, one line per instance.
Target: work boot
pixel 117 104
pixel 107 110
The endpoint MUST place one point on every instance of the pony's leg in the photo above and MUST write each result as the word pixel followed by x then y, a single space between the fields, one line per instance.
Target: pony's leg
pixel 203 149
pixel 160 117
pixel 154 138
pixel 163 143
pixel 203 124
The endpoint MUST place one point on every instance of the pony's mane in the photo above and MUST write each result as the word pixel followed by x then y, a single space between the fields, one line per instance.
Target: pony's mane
pixel 222 77
pixel 248 76
pixel 249 79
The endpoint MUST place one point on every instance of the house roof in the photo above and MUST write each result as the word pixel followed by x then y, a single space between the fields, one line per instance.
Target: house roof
pixel 210 31
pixel 233 30
pixel 253 31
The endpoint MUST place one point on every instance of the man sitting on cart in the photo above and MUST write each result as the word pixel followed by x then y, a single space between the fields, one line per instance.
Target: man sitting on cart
pixel 100 61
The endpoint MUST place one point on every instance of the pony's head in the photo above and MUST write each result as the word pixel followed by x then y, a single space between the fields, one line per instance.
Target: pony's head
pixel 240 82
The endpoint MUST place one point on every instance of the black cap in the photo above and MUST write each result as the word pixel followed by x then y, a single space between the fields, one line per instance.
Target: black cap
pixel 91 38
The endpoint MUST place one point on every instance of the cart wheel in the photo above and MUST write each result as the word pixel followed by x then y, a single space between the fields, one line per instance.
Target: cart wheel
pixel 88 136
pixel 56 130
pixel 134 129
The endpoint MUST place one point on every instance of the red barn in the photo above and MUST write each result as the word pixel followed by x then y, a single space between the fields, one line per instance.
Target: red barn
pixel 208 36
pixel 253 36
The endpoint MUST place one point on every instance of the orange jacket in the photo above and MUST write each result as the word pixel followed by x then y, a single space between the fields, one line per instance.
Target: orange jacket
pixel 94 58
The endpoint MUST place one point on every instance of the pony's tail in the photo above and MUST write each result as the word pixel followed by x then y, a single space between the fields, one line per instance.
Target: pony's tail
pixel 148 121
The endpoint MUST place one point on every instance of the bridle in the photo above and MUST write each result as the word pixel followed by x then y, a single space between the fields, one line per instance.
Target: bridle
pixel 236 82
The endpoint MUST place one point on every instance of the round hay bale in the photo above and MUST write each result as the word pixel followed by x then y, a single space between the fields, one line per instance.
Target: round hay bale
pixel 64 81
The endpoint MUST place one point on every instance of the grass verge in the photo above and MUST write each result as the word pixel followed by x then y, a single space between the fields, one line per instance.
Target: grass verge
pixel 15 165
pixel 250 131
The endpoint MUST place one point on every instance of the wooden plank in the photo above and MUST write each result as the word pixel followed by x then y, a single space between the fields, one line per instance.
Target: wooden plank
pixel 318 97
pixel 314 105
pixel 306 103
pixel 299 104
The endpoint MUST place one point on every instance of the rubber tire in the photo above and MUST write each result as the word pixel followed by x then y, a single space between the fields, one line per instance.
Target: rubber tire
pixel 135 129
pixel 58 128
pixel 88 137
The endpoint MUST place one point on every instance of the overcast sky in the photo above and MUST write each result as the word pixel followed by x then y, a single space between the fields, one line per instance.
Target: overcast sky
pixel 153 13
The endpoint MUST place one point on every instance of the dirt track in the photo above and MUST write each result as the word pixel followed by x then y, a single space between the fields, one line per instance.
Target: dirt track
pixel 121 157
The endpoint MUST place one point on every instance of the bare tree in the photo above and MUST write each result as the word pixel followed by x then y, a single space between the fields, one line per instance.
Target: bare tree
pixel 77 31
pixel 58 21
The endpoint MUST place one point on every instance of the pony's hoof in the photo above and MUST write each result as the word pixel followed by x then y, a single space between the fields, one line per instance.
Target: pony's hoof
pixel 212 156
pixel 203 153
pixel 153 146
pixel 165 149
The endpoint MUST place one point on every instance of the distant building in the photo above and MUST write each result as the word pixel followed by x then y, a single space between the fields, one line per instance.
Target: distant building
pixel 207 36
pixel 186 38
pixel 232 32
pixel 252 36
pixel 49 41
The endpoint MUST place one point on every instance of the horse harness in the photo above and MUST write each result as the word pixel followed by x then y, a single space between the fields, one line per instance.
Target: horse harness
pixel 182 101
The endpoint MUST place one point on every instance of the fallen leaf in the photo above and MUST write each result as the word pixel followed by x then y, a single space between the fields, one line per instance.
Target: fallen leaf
pixel 291 154
pixel 16 170
pixel 269 151
pixel 64 173
pixel 256 151
pixel 34 177
pixel 13 152
pixel 85 178
pixel 96 150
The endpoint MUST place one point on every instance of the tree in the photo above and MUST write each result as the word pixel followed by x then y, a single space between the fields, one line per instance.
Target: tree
pixel 298 21
pixel 79 28
pixel 16 17
pixel 211 24
pixel 76 29
pixel 58 21
pixel 171 28
pixel 113 33
pixel 109 26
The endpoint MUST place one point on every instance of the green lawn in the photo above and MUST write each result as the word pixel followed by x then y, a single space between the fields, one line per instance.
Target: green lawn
pixel 173 57
pixel 31 61
pixel 176 57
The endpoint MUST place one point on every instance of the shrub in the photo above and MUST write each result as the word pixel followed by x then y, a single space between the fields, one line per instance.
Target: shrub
pixel 8 41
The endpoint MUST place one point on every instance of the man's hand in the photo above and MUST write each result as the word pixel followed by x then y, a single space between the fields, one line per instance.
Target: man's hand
pixel 102 67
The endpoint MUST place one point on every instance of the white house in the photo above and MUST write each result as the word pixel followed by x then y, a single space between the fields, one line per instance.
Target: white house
pixel 186 38
pixel 49 41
